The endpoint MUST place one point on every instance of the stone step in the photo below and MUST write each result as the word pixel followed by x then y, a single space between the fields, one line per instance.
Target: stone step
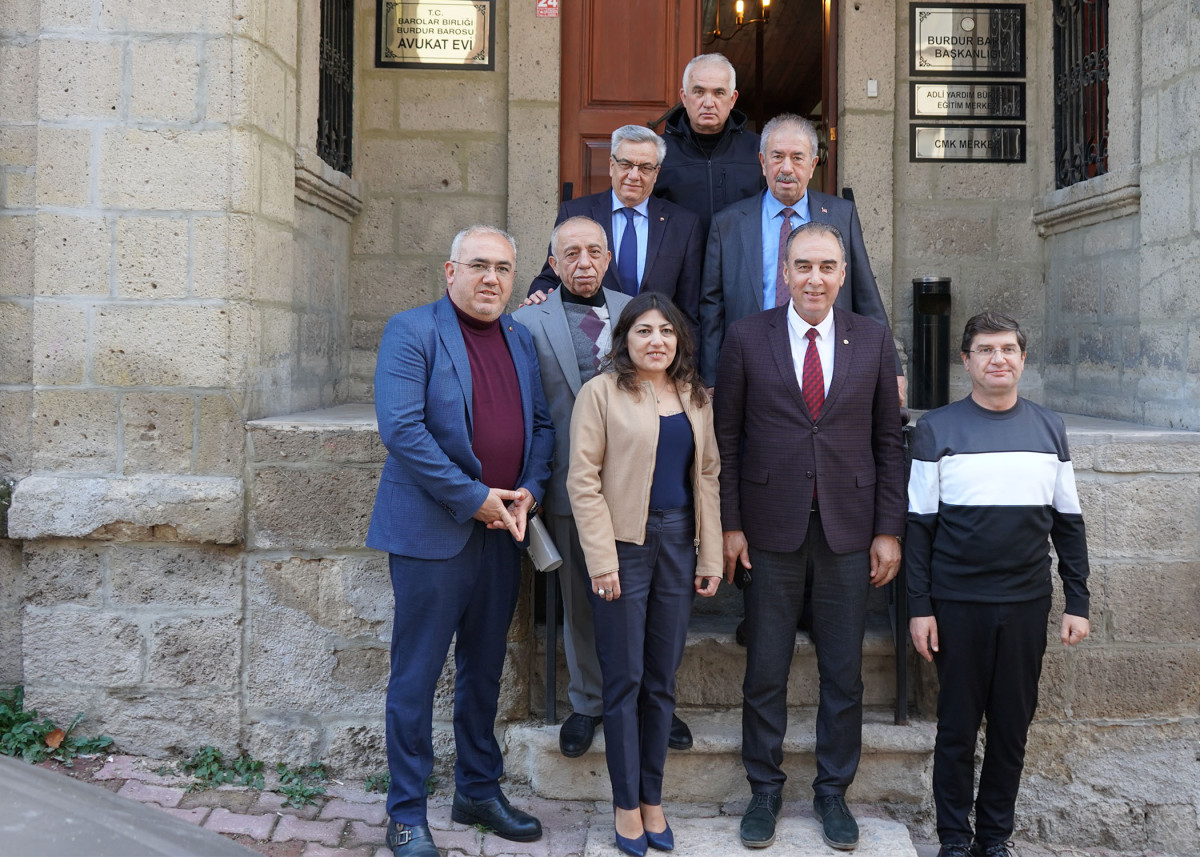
pixel 795 836
pixel 895 769
pixel 714 665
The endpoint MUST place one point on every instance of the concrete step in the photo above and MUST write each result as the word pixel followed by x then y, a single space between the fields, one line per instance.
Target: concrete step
pixel 795 836
pixel 714 665
pixel 895 769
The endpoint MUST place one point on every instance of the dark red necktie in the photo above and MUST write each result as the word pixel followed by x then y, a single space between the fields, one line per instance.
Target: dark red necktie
pixel 782 294
pixel 813 385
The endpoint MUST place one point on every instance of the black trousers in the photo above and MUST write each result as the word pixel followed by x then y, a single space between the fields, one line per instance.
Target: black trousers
pixel 774 601
pixel 640 639
pixel 989 663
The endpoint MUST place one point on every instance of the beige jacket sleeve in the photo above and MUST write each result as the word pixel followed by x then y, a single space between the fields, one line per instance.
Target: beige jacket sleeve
pixel 707 496
pixel 589 443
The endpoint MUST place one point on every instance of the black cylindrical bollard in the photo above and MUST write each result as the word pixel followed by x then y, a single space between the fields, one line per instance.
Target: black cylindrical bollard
pixel 929 386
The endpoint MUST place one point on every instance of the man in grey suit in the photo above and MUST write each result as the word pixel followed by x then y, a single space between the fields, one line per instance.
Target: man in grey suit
pixel 572 331
pixel 744 266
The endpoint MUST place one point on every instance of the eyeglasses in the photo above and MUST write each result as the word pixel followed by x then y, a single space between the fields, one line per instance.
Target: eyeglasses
pixel 625 166
pixel 987 352
pixel 479 269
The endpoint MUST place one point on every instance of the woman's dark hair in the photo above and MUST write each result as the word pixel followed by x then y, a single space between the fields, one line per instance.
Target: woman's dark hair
pixel 682 370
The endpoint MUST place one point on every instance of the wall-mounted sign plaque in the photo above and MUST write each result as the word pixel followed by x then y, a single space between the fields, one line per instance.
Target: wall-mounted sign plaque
pixel 967 39
pixel 997 143
pixel 449 34
pixel 983 100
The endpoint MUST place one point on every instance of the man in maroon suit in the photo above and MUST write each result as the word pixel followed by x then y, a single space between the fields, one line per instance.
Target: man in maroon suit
pixel 812 484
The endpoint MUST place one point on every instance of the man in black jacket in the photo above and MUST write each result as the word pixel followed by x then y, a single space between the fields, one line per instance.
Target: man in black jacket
pixel 712 157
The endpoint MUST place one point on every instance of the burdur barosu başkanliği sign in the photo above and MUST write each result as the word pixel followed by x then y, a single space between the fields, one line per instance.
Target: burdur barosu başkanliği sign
pixel 436 34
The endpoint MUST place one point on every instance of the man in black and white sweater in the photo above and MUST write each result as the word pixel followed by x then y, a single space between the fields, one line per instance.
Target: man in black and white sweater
pixel 991 487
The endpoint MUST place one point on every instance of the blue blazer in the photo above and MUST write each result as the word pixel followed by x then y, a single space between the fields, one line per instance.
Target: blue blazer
pixel 430 487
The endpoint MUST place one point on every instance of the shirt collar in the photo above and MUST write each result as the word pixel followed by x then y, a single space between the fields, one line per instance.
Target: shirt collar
pixel 643 208
pixel 824 329
pixel 772 206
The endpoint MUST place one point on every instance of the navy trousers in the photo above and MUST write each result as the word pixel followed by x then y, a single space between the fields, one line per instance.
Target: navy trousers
pixel 989 662
pixel 639 639
pixel 470 598
pixel 840 583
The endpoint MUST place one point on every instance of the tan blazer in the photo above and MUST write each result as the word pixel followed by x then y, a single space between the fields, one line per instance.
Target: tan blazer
pixel 614 438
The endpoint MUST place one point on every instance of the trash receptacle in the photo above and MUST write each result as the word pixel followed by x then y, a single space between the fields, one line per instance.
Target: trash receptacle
pixel 929 386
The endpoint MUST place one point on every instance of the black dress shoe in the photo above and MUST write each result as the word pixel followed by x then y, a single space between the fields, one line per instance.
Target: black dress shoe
pixel 838 827
pixel 758 824
pixel 680 737
pixel 498 815
pixel 576 734
pixel 996 849
pixel 410 840
pixel 956 849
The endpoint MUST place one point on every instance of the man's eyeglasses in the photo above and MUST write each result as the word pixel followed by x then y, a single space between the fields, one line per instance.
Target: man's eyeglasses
pixel 479 269
pixel 987 352
pixel 625 166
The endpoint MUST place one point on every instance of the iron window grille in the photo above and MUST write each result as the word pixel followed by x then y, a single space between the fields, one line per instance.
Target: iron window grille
pixel 335 117
pixel 1080 90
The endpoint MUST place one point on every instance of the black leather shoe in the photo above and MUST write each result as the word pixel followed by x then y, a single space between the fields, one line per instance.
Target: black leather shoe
pixel 680 737
pixel 956 849
pixel 498 815
pixel 576 734
pixel 999 849
pixel 838 827
pixel 410 840
pixel 758 824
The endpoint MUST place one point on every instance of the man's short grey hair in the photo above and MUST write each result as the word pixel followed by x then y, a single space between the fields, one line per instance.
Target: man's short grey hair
pixel 713 60
pixel 638 134
pixel 789 120
pixel 817 227
pixel 480 229
pixel 577 220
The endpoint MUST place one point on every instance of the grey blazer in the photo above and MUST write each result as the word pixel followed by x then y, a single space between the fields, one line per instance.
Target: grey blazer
pixel 547 324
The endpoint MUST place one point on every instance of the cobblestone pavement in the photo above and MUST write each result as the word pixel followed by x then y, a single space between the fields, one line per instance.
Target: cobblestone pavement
pixel 349 821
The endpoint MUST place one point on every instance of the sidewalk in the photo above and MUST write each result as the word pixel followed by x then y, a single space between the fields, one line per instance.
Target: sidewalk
pixel 350 822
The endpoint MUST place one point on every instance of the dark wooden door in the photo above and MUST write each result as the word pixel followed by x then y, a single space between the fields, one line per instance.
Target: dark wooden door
pixel 622 63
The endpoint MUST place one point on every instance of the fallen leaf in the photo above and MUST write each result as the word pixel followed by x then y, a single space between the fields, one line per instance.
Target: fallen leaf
pixel 55 737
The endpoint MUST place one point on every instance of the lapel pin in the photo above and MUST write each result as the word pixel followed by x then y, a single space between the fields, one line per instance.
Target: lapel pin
pixel 824 210
pixel 845 342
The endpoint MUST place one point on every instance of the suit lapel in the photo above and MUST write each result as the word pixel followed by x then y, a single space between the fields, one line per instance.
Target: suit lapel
pixel 657 228
pixel 601 212
pixel 558 333
pixel 750 230
pixel 843 353
pixel 452 339
pixel 780 346
pixel 818 209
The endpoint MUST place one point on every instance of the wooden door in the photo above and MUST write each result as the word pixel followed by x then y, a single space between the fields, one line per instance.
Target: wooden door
pixel 622 63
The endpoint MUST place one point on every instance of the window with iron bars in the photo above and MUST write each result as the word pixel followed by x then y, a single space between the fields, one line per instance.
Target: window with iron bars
pixel 1080 90
pixel 335 116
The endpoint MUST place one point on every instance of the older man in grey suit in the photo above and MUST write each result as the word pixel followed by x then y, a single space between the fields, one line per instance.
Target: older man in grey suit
pixel 572 331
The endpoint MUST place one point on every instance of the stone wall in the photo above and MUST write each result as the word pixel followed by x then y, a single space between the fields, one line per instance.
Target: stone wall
pixel 1112 757
pixel 970 221
pixel 1122 279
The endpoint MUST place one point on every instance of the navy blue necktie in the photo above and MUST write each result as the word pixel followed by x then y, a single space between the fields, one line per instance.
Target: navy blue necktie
pixel 627 256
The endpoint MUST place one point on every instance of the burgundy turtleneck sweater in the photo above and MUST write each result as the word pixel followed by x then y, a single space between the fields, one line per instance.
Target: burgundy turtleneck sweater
pixel 498 426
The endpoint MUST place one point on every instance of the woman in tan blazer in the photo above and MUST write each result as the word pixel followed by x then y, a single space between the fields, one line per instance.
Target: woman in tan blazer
pixel 644 493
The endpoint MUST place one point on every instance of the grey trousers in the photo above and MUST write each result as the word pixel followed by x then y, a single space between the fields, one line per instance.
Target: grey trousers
pixel 579 636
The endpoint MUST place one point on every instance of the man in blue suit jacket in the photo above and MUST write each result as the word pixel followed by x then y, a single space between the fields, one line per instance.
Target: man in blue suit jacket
pixel 461 411
pixel 666 246
pixel 742 274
